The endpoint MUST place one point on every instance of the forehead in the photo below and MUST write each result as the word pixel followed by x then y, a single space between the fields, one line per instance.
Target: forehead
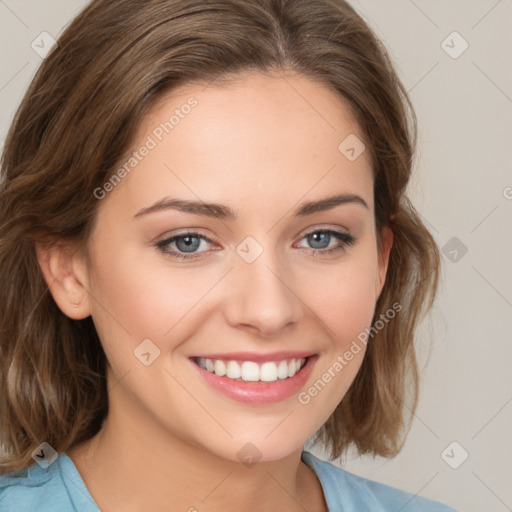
pixel 272 137
pixel 264 105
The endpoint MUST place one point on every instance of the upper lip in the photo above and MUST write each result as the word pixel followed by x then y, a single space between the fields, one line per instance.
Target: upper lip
pixel 256 357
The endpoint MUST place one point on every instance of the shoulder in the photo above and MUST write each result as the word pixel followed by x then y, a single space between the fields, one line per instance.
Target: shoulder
pixel 33 489
pixel 355 493
pixel 44 489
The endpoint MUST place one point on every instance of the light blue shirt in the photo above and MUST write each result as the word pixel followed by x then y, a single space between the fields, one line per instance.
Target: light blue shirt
pixel 60 488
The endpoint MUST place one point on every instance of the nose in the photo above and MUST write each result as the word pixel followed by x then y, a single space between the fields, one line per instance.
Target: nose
pixel 262 297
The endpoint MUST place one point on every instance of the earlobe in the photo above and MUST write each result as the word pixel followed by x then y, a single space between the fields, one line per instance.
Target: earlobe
pixel 64 272
pixel 383 257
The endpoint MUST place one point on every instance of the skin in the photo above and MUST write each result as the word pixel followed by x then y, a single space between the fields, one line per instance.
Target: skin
pixel 261 145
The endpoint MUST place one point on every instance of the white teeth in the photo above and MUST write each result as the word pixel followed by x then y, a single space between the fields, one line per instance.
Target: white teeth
pixel 209 365
pixel 282 370
pixel 292 368
pixel 234 370
pixel 220 368
pixel 268 372
pixel 250 371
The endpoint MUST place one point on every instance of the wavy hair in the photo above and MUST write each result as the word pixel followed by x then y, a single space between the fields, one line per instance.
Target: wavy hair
pixel 78 118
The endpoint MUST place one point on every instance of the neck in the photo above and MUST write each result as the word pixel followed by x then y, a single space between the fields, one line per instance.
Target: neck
pixel 171 474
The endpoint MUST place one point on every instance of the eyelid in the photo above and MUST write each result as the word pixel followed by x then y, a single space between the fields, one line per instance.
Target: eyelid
pixel 187 231
pixel 198 231
pixel 341 233
pixel 320 227
pixel 344 237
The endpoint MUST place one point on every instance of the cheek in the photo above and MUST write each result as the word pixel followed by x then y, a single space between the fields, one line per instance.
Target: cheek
pixel 343 296
pixel 137 298
pixel 345 305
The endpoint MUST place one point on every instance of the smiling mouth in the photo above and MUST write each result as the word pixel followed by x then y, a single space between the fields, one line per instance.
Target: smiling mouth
pixel 250 371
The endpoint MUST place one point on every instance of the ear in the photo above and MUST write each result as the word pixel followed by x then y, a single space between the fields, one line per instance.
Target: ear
pixel 383 257
pixel 64 270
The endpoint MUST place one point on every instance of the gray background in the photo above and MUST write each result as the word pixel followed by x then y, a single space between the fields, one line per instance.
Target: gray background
pixel 463 189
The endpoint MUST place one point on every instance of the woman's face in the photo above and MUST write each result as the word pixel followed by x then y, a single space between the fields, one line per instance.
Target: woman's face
pixel 270 283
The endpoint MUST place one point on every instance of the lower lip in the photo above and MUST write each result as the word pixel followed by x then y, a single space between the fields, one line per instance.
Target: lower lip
pixel 259 392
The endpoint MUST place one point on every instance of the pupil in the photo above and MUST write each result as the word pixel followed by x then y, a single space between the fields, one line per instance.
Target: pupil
pixel 316 237
pixel 189 244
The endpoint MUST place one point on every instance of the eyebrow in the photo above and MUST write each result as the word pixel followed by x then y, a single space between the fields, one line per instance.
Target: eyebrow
pixel 220 211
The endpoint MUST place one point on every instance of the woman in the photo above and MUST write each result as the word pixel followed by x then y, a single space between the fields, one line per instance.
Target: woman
pixel 208 258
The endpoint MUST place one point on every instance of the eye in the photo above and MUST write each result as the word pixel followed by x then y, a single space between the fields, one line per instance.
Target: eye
pixel 187 244
pixel 320 241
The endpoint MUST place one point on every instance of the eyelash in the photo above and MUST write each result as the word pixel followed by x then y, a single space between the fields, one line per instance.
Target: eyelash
pixel 345 239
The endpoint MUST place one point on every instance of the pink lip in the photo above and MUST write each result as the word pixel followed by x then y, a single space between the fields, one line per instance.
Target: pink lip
pixel 255 357
pixel 258 392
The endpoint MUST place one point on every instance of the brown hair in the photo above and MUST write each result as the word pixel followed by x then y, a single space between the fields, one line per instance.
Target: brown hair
pixel 79 117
